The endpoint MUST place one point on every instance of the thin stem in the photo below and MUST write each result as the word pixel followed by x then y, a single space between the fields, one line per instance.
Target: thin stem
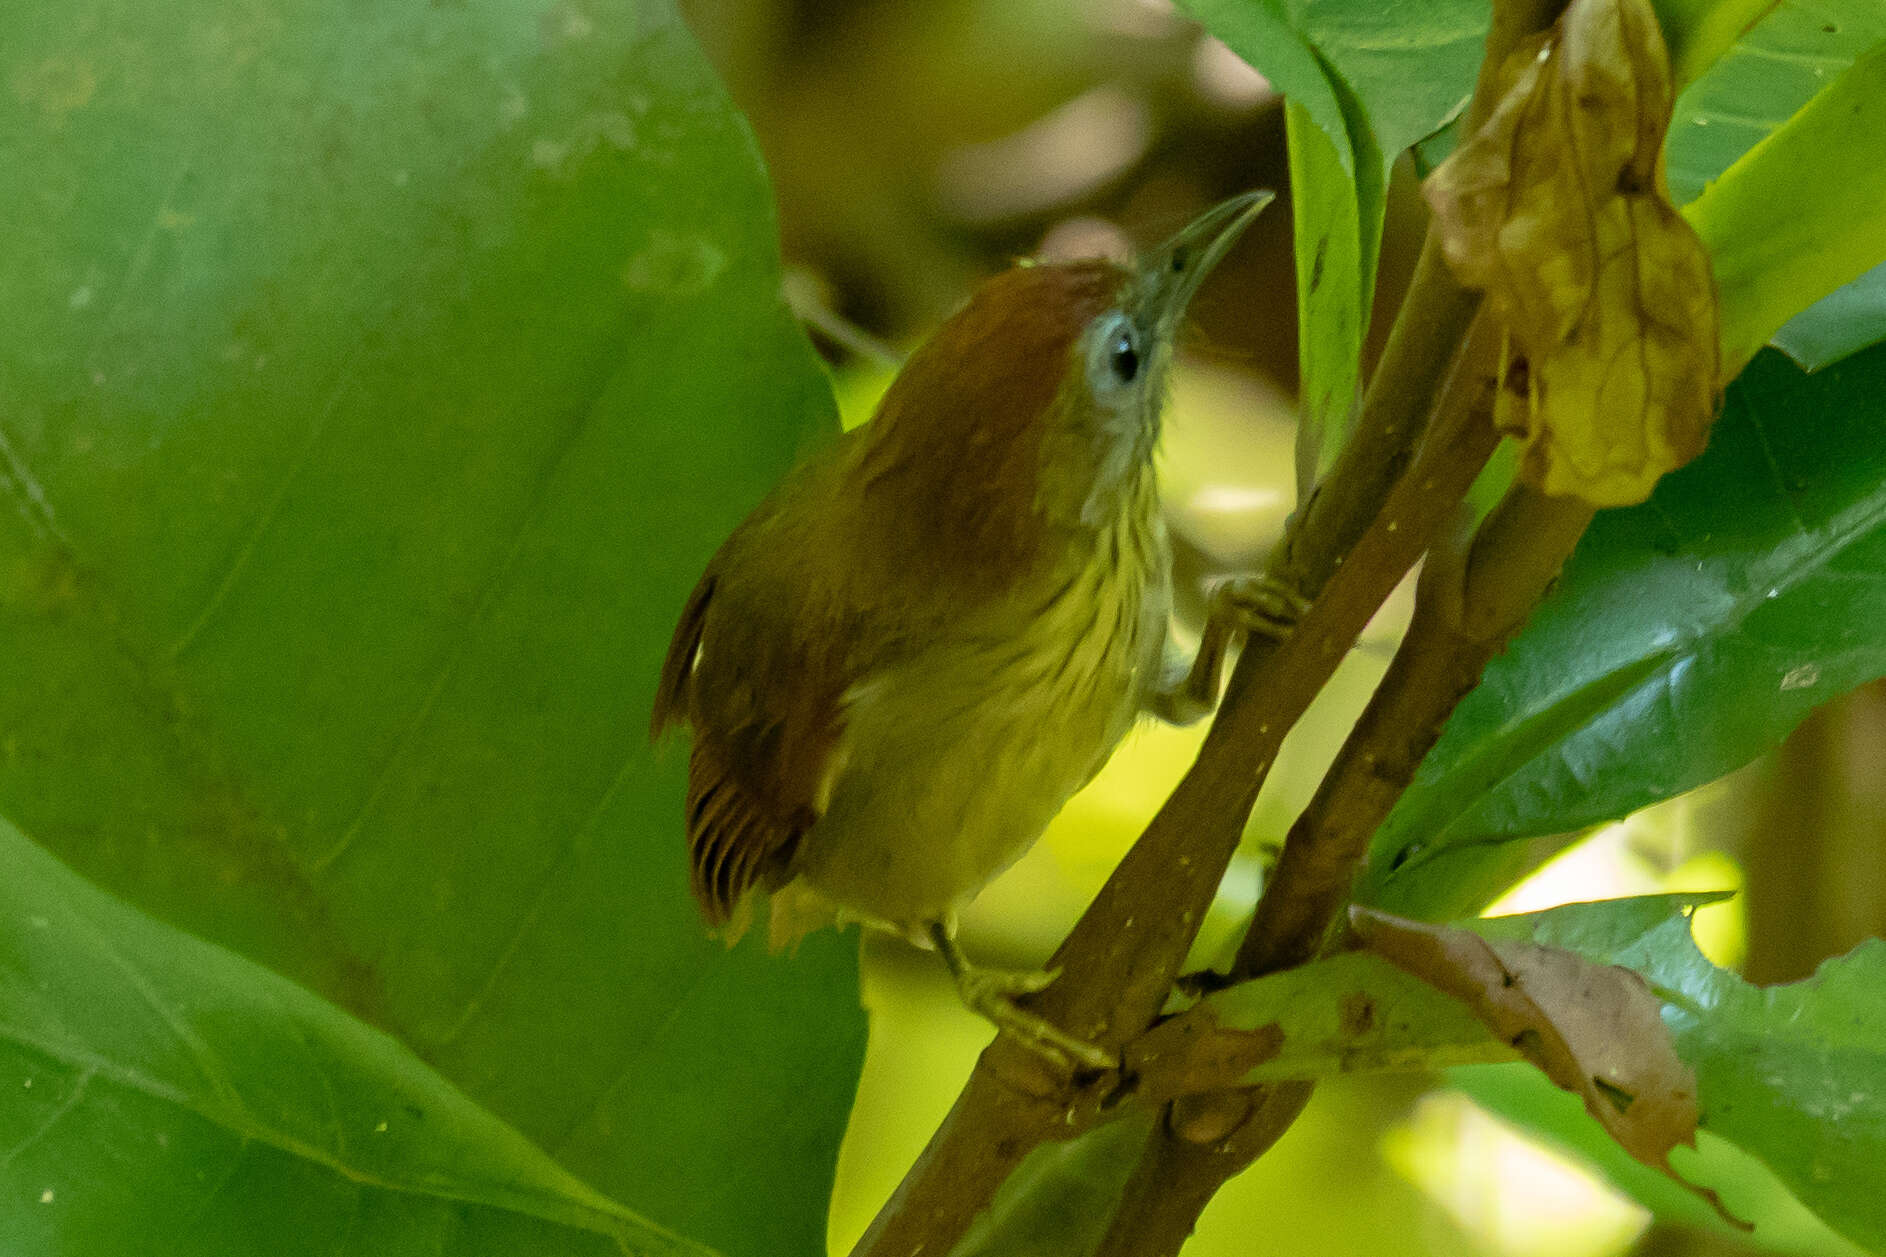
pixel 1001 1116
pixel 1184 1166
pixel 1470 601
pixel 1472 598
pixel 1172 1182
pixel 1434 318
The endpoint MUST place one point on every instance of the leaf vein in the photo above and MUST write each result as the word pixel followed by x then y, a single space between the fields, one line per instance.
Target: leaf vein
pixel 57 1115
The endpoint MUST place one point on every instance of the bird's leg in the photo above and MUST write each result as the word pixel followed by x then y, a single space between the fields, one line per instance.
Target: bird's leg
pixel 991 994
pixel 1241 605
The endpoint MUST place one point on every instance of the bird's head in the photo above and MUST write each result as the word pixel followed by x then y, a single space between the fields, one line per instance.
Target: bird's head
pixel 1036 408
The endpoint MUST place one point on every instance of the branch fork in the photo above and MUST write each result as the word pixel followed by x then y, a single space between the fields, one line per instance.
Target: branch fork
pixel 1399 490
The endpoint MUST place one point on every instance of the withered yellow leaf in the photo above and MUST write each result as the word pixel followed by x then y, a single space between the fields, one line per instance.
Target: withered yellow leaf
pixel 1558 209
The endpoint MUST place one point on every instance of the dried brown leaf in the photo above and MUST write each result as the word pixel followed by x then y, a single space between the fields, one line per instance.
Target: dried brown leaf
pixel 1595 1030
pixel 1558 209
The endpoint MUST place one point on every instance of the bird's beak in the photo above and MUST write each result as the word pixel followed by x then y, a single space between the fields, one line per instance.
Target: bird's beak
pixel 1171 275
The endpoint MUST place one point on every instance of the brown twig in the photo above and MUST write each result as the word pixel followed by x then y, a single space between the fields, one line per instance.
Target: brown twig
pixel 1432 321
pixel 1186 1162
pixel 1469 602
pixel 1471 599
pixel 1158 1210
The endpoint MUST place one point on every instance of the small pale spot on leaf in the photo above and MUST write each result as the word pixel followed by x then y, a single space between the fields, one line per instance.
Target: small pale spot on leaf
pixel 1806 676
pixel 607 131
pixel 674 265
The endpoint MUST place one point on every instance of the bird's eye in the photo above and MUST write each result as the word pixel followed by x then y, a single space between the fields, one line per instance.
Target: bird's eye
pixel 1123 356
pixel 1115 357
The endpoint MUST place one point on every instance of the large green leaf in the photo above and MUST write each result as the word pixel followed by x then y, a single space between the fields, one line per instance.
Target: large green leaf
pixel 1524 1096
pixel 374 382
pixel 1687 636
pixel 1791 1074
pixel 1365 81
pixel 1802 214
pixel 163 1095
pixel 1844 322
pixel 1699 32
pixel 1773 68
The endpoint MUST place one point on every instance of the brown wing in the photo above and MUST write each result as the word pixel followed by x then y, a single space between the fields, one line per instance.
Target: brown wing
pixel 765 716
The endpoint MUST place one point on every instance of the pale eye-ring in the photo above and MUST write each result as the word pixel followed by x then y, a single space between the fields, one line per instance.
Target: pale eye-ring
pixel 1117 356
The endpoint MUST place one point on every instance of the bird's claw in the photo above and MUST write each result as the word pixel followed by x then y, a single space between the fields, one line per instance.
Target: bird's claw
pixel 991 993
pixel 1258 604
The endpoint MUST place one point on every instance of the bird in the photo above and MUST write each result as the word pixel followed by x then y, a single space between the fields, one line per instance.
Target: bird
pixel 934 631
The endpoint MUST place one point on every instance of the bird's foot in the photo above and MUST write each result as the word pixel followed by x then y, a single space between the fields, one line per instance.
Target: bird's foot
pixel 1258 604
pixel 992 994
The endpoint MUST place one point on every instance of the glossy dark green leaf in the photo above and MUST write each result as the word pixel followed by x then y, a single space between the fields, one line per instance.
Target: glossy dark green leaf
pixel 1404 69
pixel 1370 79
pixel 1699 32
pixel 374 383
pixel 1431 150
pixel 1687 636
pixel 163 1095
